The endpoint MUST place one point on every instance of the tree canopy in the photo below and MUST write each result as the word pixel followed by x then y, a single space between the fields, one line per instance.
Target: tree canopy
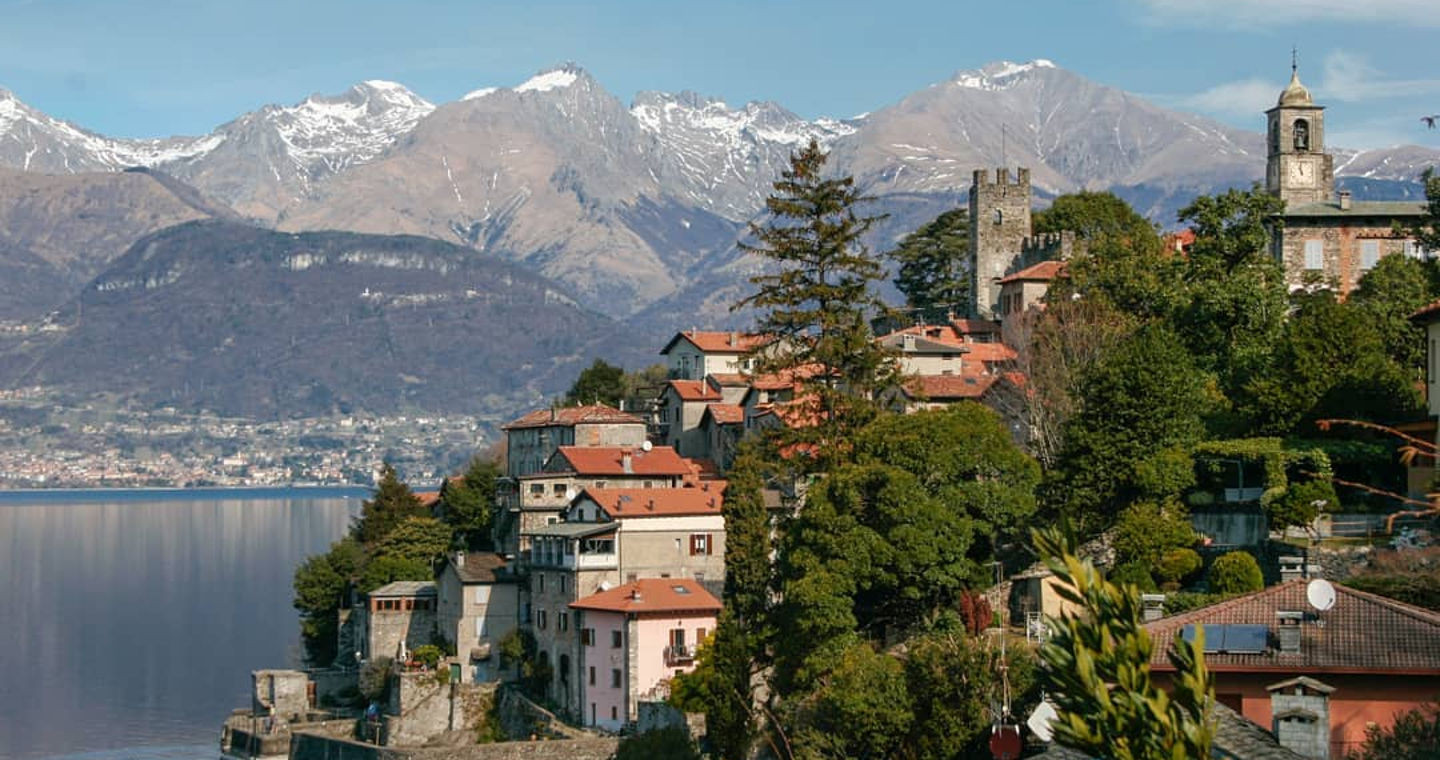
pixel 934 272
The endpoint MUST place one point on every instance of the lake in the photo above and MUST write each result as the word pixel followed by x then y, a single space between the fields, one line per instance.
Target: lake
pixel 130 621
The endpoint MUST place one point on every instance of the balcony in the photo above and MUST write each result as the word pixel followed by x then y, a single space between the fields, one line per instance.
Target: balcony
pixel 679 655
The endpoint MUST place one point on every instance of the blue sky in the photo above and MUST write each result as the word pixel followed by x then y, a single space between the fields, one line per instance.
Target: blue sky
pixel 146 68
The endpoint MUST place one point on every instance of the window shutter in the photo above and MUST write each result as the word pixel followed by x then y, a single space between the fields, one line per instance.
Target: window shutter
pixel 1369 253
pixel 1314 254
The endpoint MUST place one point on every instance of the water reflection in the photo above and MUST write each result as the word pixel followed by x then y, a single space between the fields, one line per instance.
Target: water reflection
pixel 133 623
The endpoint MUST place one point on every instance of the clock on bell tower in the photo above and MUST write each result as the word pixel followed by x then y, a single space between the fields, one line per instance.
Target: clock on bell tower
pixel 1298 169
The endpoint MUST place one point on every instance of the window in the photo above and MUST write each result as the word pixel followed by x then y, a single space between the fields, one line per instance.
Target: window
pixel 563 578
pixel 480 628
pixel 540 619
pixel 999 216
pixel 558 489
pixel 1302 135
pixel 1314 254
pixel 592 683
pixel 541 579
pixel 482 594
pixel 537 489
pixel 1369 253
pixel 564 621
pixel 699 636
pixel 612 713
pixel 587 638
pixel 677 638
pixel 699 544
pixel 615 678
pixel 615 639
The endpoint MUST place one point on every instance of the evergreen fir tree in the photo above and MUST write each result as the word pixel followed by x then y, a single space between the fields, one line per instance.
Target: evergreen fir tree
pixel 934 274
pixel 817 302
pixel 393 501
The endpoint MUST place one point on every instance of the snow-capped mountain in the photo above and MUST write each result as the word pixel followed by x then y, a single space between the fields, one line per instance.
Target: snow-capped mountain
pixel 632 204
pixel 31 140
pixel 720 158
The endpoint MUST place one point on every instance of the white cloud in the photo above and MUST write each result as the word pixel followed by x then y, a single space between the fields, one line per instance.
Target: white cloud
pixel 1245 97
pixel 1349 77
pixel 1415 12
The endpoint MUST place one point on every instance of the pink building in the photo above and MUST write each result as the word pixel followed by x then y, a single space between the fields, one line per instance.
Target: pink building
pixel 633 639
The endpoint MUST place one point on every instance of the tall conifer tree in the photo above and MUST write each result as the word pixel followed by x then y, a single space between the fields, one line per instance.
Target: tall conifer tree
pixel 817 300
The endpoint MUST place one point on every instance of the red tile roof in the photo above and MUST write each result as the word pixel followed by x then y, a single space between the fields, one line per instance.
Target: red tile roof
pixel 573 415
pixel 719 342
pixel 427 498
pixel 991 352
pixel 974 326
pixel 1045 271
pixel 729 379
pixel 948 387
pixel 788 378
pixel 726 414
pixel 610 460
pixel 1361 633
pixel 946 334
pixel 694 390
pixel 670 595
pixel 621 503
pixel 1427 314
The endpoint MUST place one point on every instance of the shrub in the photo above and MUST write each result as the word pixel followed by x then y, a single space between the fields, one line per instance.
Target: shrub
pixel 1184 601
pixel 975 611
pixel 666 743
pixel 1236 573
pixel 1134 574
pixel 1177 565
pixel 1147 530
pixel 428 655
pixel 1300 503
pixel 1421 589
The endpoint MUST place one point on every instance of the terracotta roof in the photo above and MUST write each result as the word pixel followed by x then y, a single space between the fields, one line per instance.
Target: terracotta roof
pixel 621 503
pixel 1427 314
pixel 728 379
pixel 1362 633
pixel 974 326
pixel 479 567
pixel 726 414
pixel 787 378
pixel 717 342
pixel 991 352
pixel 610 460
pixel 693 390
pixel 704 469
pixel 937 333
pixel 427 498
pixel 573 415
pixel 1045 271
pixel 942 387
pixel 652 595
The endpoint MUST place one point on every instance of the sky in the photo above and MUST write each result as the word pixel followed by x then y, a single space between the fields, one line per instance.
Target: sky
pixel 151 68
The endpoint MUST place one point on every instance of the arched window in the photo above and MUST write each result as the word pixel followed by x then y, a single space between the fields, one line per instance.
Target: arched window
pixel 999 216
pixel 1302 135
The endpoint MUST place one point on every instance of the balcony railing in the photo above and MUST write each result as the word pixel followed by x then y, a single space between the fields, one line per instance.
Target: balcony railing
pixel 679 654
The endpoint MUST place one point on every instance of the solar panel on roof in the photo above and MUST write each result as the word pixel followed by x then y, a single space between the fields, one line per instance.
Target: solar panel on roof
pixel 1231 638
pixel 1247 639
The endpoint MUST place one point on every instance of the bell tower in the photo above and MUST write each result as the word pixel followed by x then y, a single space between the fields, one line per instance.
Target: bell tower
pixel 1298 169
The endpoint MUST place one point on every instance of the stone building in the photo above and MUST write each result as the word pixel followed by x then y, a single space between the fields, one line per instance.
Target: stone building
pixel 479 605
pixel 396 618
pixel 1325 238
pixel 1001 240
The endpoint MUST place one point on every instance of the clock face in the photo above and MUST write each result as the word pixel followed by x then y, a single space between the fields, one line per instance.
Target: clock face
pixel 1301 173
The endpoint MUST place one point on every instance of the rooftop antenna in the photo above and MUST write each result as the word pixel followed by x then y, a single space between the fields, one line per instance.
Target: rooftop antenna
pixel 1294 59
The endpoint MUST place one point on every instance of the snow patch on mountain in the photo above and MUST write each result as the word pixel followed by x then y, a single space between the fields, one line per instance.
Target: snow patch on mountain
pixel 549 80
pixel 998 75
pixel 334 132
pixel 477 94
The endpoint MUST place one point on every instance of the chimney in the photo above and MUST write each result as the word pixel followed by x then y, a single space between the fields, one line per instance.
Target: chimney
pixel 734 339
pixel 1152 607
pixel 650 505
pixel 1344 200
pixel 459 559
pixel 1300 716
pixel 1292 568
pixel 627 462
pixel 1287 630
pixel 635 595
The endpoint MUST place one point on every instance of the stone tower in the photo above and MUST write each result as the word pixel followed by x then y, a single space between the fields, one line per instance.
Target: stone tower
pixel 999 225
pixel 1298 169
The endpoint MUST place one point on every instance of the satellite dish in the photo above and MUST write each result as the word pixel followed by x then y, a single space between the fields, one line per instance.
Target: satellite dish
pixel 1039 721
pixel 604 585
pixel 1320 594
pixel 646 446
pixel 570 494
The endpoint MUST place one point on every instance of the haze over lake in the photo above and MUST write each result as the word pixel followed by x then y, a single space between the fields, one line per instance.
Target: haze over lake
pixel 133 620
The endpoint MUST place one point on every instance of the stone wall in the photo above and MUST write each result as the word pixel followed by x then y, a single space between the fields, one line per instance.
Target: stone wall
pixel 282 693
pixel 422 709
pixel 307 746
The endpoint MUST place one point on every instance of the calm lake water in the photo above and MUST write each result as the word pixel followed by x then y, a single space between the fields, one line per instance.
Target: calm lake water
pixel 130 621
